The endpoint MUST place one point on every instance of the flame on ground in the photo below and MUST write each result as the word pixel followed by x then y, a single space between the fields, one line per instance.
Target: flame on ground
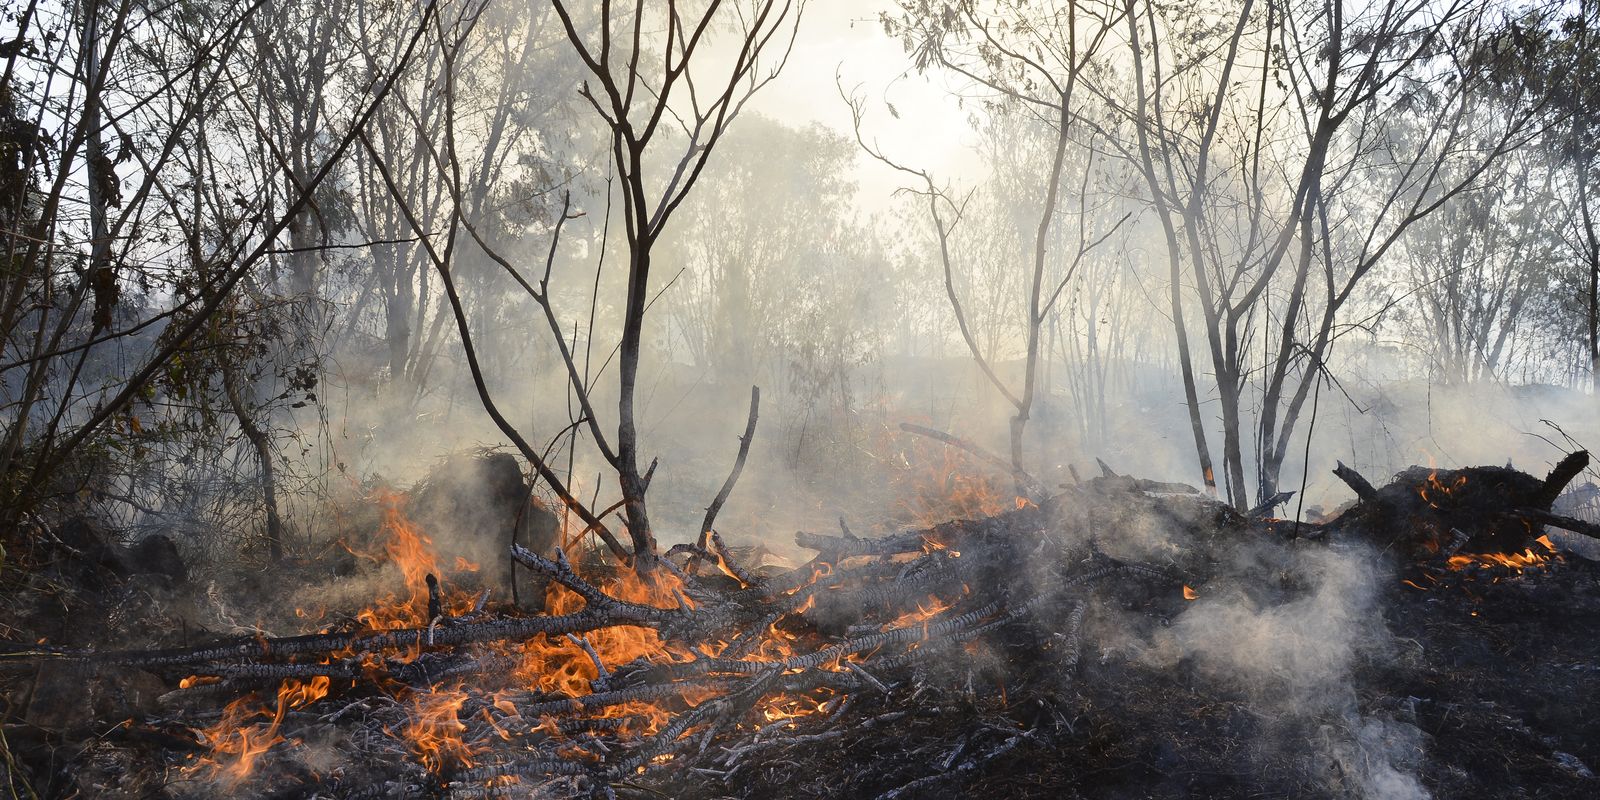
pixel 239 740
pixel 1512 561
pixel 937 482
pixel 412 551
pixel 434 729
pixel 1498 563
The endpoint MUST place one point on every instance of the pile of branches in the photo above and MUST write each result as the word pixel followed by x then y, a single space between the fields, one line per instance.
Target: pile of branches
pixel 872 633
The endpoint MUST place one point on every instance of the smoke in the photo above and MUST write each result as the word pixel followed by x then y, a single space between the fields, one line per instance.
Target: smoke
pixel 1290 629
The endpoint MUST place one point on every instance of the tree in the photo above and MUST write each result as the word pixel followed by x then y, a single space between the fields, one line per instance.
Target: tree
pixel 1261 179
pixel 636 79
pixel 1036 61
pixel 151 82
pixel 1477 267
pixel 1556 56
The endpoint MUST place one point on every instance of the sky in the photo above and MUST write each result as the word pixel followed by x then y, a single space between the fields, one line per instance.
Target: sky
pixel 844 39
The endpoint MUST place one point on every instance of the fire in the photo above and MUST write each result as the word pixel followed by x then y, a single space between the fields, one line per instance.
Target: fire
pixel 248 729
pixel 1434 490
pixel 1190 594
pixel 933 608
pixel 937 482
pixel 564 666
pixel 238 741
pixel 786 707
pixel 297 694
pixel 1502 563
pixel 434 729
pixel 776 645
pixel 412 551
pixel 1517 561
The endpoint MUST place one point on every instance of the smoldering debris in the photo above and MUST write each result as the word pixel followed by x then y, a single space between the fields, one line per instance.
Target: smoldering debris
pixel 1243 654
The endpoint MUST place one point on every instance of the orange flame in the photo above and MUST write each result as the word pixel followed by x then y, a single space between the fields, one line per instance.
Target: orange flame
pixel 933 608
pixel 936 482
pixel 434 729
pixel 1519 562
pixel 412 551
pixel 1434 490
pixel 237 742
pixel 786 707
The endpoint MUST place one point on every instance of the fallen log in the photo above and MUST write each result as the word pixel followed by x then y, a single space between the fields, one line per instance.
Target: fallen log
pixel 1421 512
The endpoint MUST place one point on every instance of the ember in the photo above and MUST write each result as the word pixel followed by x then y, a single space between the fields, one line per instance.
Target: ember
pixel 626 674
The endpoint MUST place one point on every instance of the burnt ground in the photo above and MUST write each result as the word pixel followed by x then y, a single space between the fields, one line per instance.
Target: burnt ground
pixel 1497 674
pixel 1479 686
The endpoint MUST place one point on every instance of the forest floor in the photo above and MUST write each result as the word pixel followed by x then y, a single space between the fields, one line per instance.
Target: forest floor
pixel 1303 669
pixel 1487 690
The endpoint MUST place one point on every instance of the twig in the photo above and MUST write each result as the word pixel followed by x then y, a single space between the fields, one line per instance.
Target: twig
pixel 599 666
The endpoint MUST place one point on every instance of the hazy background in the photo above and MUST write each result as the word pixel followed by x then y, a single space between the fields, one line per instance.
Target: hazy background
pixel 800 261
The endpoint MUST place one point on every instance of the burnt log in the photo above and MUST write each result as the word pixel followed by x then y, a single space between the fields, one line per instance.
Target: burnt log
pixel 1424 511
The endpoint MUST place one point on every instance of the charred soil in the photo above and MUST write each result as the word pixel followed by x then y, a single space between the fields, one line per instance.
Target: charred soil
pixel 1122 639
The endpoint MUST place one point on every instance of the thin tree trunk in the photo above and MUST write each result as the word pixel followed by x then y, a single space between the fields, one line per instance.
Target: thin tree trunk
pixel 1175 278
pixel 262 443
pixel 1592 240
pixel 1035 312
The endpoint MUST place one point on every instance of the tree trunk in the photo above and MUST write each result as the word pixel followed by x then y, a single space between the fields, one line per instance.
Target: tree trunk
pixel 263 446
pixel 628 477
pixel 397 316
pixel 1592 251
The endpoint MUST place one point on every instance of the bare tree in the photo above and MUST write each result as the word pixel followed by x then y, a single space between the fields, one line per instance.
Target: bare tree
pixel 637 82
pixel 1300 158
pixel 1037 60
pixel 149 82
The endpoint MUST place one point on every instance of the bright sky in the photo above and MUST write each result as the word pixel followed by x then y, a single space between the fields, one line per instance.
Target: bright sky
pixel 845 38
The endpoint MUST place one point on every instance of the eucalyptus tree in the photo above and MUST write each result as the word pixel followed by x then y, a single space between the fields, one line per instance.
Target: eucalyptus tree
pixel 1477 275
pixel 1555 54
pixel 135 219
pixel 510 132
pixel 1259 133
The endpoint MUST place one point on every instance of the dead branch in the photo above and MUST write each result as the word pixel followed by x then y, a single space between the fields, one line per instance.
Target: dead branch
pixel 1353 479
pixel 738 466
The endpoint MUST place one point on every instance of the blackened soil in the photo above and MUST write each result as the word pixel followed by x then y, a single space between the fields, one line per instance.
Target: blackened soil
pixel 1487 688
